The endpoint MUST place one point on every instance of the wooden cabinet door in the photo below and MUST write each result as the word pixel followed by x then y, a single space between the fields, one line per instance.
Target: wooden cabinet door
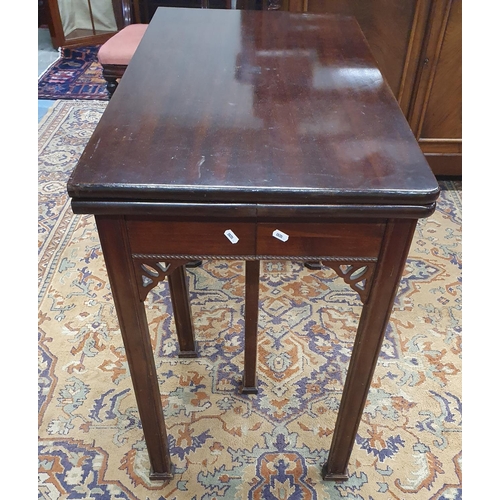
pixel 386 24
pixel 417 45
pixel 436 112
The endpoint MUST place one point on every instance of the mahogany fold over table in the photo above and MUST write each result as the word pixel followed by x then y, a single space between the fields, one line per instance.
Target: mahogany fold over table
pixel 252 135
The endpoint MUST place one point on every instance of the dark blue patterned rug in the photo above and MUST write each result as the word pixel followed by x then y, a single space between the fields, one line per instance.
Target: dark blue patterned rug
pixel 75 75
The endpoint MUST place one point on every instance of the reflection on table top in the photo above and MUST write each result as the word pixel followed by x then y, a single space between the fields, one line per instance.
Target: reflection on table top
pixel 252 106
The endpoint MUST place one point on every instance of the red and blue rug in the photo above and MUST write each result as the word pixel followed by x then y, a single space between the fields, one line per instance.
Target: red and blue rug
pixel 75 75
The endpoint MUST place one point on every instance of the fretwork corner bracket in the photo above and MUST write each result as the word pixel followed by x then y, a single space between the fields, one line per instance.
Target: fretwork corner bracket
pixel 151 269
pixel 357 275
pixel 149 273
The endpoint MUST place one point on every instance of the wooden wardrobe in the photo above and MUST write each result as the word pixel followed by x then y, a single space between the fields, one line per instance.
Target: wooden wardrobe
pixel 418 45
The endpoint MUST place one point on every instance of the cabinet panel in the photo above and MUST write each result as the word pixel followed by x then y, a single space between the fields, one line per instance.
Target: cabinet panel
pixel 386 24
pixel 435 111
pixel 443 116
pixel 417 45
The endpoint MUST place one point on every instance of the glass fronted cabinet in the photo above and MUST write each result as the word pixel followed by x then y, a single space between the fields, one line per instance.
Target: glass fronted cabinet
pixel 75 23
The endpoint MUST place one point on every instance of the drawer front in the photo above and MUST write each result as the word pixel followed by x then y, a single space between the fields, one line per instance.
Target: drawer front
pixel 315 240
pixel 191 238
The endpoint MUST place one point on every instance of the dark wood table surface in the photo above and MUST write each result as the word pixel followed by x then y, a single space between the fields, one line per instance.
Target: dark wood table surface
pixel 272 127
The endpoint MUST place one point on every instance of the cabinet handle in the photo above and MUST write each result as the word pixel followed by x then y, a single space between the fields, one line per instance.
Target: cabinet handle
pixel 280 235
pixel 231 236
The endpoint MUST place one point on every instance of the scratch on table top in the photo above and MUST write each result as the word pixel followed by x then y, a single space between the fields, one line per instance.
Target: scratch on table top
pixel 199 164
pixel 95 147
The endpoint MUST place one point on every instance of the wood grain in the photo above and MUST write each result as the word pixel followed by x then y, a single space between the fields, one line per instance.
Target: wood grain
pixel 268 107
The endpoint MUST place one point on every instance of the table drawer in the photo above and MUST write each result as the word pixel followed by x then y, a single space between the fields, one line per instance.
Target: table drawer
pixel 315 240
pixel 191 238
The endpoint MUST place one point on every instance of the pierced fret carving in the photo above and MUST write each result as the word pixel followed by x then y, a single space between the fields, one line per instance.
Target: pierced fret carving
pixel 150 272
pixel 357 275
pixel 357 272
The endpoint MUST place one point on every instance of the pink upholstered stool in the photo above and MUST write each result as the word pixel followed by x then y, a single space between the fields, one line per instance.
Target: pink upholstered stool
pixel 115 54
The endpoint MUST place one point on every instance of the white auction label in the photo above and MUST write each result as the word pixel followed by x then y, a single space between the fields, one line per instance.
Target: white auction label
pixel 231 236
pixel 280 235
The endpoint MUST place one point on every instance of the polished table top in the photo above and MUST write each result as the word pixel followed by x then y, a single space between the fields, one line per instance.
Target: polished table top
pixel 234 106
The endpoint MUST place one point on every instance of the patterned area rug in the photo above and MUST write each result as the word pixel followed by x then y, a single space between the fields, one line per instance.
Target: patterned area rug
pixel 75 75
pixel 226 445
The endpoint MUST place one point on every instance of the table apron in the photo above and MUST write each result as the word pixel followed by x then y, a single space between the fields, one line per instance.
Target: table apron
pixel 251 241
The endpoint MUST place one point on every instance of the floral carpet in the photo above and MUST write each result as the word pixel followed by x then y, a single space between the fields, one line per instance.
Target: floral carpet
pixel 225 445
pixel 75 75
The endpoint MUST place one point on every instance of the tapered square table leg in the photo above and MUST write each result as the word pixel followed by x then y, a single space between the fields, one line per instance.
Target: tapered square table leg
pixel 252 271
pixel 179 293
pixel 367 345
pixel 137 341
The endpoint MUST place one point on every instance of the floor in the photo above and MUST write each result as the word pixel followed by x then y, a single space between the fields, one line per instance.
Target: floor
pixel 46 56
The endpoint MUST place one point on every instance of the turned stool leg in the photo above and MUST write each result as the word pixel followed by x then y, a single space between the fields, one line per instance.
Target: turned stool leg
pixel 111 84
